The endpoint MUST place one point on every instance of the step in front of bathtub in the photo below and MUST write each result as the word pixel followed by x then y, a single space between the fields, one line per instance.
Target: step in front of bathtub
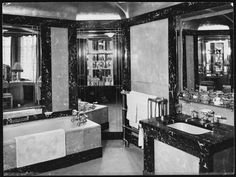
pixel 77 139
pixel 63 162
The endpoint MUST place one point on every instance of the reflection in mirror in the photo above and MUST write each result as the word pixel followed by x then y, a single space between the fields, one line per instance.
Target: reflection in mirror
pixel 204 49
pixel 21 67
pixel 214 60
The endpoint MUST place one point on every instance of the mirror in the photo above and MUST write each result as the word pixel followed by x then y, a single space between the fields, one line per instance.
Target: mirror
pixel 204 48
pixel 21 67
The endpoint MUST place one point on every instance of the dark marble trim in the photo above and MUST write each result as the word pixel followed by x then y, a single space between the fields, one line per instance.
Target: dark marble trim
pixel 149 161
pixel 46 89
pixel 173 65
pixel 111 135
pixel 184 68
pixel 98 24
pixel 37 21
pixel 36 117
pixel 179 9
pixel 126 75
pixel 63 162
pixel 105 126
pixel 73 84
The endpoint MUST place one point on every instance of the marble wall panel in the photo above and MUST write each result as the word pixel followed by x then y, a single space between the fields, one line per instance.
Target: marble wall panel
pixel 60 70
pixel 149 58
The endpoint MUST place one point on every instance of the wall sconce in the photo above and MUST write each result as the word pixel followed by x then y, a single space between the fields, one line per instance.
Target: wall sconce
pixel 17 69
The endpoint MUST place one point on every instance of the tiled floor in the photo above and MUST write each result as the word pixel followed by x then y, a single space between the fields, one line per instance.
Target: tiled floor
pixel 117 160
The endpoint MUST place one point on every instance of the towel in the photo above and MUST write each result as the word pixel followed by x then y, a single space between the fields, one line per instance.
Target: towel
pixel 137 104
pixel 40 147
pixel 140 138
pixel 131 109
pixel 138 108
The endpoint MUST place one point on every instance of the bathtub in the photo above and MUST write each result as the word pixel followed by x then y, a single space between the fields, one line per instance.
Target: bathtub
pixel 77 139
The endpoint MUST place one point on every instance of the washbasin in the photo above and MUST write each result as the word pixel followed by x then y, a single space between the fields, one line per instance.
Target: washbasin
pixel 189 128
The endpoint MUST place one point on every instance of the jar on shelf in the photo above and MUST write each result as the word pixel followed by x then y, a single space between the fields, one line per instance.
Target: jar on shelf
pixel 205 98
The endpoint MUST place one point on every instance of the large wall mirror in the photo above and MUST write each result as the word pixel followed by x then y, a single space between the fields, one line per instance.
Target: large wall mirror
pixel 205 55
pixel 21 67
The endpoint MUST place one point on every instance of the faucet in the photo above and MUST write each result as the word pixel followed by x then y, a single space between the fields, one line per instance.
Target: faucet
pixel 194 114
pixel 79 116
pixel 93 105
pixel 210 118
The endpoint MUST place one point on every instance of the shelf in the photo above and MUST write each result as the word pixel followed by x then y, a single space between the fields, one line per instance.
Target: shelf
pixel 99 68
pixel 100 63
pixel 100 52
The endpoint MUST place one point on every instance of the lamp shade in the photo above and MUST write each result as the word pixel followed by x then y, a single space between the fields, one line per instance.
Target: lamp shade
pixel 17 67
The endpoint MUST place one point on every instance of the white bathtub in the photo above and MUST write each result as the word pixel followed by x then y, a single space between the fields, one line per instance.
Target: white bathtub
pixel 77 139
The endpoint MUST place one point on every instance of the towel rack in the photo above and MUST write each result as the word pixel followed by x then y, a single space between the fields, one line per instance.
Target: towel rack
pixel 161 103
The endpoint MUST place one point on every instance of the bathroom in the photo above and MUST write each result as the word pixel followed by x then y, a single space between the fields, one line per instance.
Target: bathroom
pixel 65 62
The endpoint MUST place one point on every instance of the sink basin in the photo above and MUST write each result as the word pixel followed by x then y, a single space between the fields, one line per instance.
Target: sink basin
pixel 189 128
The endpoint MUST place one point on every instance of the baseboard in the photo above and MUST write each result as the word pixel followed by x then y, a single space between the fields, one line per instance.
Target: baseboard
pixel 111 135
pixel 63 162
pixel 105 126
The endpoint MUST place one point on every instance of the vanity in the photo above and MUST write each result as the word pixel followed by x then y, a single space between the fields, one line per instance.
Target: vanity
pixel 174 146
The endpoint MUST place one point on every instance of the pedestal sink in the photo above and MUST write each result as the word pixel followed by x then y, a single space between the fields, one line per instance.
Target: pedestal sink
pixel 189 128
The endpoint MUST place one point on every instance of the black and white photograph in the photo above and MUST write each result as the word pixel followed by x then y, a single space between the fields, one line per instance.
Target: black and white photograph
pixel 118 88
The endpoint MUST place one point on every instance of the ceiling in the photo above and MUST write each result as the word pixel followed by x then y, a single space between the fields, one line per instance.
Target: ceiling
pixel 223 15
pixel 83 10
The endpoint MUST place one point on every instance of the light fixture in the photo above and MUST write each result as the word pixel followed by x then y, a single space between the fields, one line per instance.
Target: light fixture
pixel 110 34
pixel 213 27
pixel 17 69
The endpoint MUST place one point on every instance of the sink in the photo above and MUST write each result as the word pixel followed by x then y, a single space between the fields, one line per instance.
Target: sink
pixel 189 128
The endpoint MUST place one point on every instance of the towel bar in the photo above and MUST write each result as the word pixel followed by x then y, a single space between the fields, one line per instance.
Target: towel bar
pixel 162 110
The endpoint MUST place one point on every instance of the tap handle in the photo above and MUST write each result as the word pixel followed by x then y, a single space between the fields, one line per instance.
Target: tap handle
pixel 74 112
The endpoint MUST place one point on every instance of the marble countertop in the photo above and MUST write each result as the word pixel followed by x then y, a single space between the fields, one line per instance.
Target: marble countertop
pixel 221 136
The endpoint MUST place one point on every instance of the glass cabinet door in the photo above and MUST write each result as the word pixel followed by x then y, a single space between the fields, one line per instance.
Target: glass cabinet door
pixel 100 62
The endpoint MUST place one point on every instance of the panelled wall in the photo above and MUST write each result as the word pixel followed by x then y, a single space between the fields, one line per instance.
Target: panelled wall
pixel 45 24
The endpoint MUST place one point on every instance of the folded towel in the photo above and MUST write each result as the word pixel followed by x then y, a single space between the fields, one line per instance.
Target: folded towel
pixel 40 147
